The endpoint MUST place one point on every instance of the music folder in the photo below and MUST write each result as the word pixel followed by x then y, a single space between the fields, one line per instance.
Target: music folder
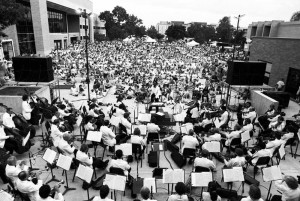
pixel 272 173
pixel 49 155
pixel 144 117
pixel 94 136
pixel 115 121
pixel 179 117
pixel 173 176
pixel 212 147
pixel 85 173
pixel 233 174
pixel 126 148
pixel 64 162
pixel 201 179
pixel 115 182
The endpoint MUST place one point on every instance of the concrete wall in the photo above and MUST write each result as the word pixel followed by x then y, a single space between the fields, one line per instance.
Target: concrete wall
pixel 75 4
pixel 283 53
pixel 261 102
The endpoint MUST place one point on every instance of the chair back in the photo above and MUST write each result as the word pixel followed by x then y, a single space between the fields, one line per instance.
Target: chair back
pixel 188 152
pixel 201 169
pixel 116 170
pixel 152 137
pixel 263 160
pixel 136 148
pixel 290 141
pixel 76 163
pixel 235 142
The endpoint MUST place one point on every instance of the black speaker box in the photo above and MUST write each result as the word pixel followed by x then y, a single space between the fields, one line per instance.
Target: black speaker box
pixel 245 73
pixel 282 97
pixel 33 69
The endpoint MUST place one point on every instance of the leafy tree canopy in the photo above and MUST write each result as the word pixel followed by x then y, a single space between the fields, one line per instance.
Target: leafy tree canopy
pixel 176 32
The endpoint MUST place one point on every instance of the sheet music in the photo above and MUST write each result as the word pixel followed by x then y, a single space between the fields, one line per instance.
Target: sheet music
pixel 126 148
pixel 173 176
pixel 179 117
pixel 184 130
pixel 282 151
pixel 79 120
pixel 85 173
pixel 217 123
pixel 213 146
pixel 115 121
pixel 245 136
pixel 64 162
pixel 25 140
pixel 49 155
pixel 143 129
pixel 144 117
pixel 142 109
pixel 94 136
pixel 115 182
pixel 234 174
pixel 201 179
pixel 272 173
pixel 148 182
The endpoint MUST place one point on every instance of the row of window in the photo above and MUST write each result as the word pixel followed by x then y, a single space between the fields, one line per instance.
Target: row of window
pixel 57 22
pixel 95 27
pixel 84 27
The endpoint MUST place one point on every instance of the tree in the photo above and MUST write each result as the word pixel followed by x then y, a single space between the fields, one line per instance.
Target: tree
pixel 10 13
pixel 295 17
pixel 132 25
pixel 153 33
pixel 120 15
pixel 116 32
pixel 140 31
pixel 224 30
pixel 109 19
pixel 239 37
pixel 100 37
pixel 176 32
pixel 201 33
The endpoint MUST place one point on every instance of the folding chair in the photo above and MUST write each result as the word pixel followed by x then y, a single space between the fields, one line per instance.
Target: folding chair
pixel 261 162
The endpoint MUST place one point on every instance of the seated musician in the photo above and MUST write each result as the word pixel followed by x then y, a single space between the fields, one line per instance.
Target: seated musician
pixel 108 136
pixel 120 163
pixel 251 114
pixel 45 193
pixel 180 189
pixel 224 117
pixel 212 135
pixel 26 108
pixel 152 127
pixel 277 125
pixel 62 110
pixel 247 125
pixel 104 193
pixel 270 113
pixel 13 169
pixel 272 145
pixel 84 157
pixel 7 118
pixel 93 110
pixel 255 155
pixel 65 145
pixel 56 134
pixel 254 194
pixel 136 138
pixel 7 141
pixel 203 161
pixel 195 112
pixel 289 188
pixel 130 93
pixel 145 194
pixel 125 121
pixel 177 107
pixel 211 194
pixel 74 90
pixel 189 141
pixel 238 161
pixel 290 132
pixel 206 121
pixel 31 188
pixel 236 133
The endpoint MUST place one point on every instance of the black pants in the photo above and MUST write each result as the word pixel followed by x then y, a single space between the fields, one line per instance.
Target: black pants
pixel 98 163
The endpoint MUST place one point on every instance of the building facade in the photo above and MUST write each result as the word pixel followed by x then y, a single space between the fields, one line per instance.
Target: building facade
pixel 278 44
pixel 52 24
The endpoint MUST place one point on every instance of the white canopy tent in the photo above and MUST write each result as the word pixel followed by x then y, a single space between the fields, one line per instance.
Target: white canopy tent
pixel 150 40
pixel 192 43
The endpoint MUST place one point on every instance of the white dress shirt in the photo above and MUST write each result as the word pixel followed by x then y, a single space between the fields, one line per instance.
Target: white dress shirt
pixel 26 110
pixel 7 120
pixel 287 193
pixel 29 188
pixel 135 139
pixel 108 136
pixel 204 162
pixel 177 197
pixel 224 118
pixel 195 112
pixel 232 135
pixel 97 198
pixel 236 162
pixel 152 128
pixel 3 137
pixel 84 158
pixel 66 148
pixel 206 197
pixel 259 154
pixel 56 134
pixel 119 163
pixel 189 141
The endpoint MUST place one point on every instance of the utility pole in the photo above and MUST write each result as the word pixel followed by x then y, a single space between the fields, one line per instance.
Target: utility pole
pixel 237 30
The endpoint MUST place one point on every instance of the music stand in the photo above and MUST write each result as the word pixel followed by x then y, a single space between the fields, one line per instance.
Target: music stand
pixel 85 174
pixel 115 182
pixel 95 137
pixel 173 176
pixel 200 179
pixel 270 174
pixel 49 156
pixel 234 174
pixel 65 162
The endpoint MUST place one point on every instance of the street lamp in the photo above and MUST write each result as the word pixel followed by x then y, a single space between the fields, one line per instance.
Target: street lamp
pixel 85 15
pixel 237 30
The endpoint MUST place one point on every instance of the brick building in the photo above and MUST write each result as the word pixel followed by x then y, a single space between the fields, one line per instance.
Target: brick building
pixel 278 44
pixel 52 24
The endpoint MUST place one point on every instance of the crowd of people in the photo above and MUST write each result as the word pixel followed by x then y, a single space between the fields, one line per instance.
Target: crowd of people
pixel 188 80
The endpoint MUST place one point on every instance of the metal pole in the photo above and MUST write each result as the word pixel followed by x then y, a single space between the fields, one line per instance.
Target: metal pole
pixel 87 56
pixel 237 29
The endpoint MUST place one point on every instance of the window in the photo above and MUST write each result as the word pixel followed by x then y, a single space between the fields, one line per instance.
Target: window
pixel 25 34
pixel 57 22
pixel 267 72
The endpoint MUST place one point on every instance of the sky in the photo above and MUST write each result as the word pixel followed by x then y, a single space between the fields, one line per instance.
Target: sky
pixel 210 11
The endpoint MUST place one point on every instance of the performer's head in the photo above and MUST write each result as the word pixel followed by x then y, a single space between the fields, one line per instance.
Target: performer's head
pixel 25 97
pixel 104 191
pixel 145 193
pixel 12 161
pixel 44 191
pixel 119 154
pixel 23 175
pixel 180 188
pixel 137 131
pixel 84 148
pixel 254 192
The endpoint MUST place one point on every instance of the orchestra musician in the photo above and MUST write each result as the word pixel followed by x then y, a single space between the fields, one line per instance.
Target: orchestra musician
pixel 30 188
pixel 45 193
pixel 270 113
pixel 254 155
pixel 108 136
pixel 6 141
pixel 56 134
pixel 26 108
pixel 14 167
pixel 238 161
pixel 155 92
pixel 136 138
pixel 120 163
pixel 104 193
pixel 65 144
pixel 204 161
pixel 224 117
